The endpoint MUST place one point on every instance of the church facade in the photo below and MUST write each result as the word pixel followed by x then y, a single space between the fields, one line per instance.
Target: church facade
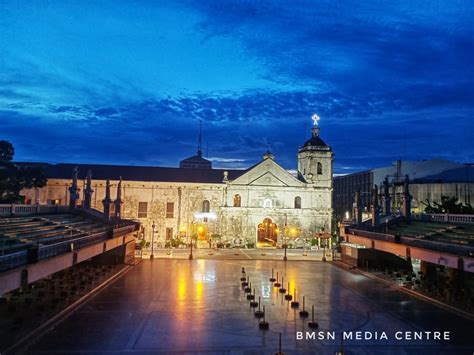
pixel 264 205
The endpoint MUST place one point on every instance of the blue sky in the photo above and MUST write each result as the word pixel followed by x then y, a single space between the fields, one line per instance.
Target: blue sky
pixel 127 82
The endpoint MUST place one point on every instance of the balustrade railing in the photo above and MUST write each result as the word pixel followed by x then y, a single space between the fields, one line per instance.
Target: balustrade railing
pixel 12 210
pixel 444 217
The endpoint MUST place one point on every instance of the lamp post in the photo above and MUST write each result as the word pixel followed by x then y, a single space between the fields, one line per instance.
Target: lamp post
pixel 324 241
pixel 152 240
pixel 191 251
pixel 285 232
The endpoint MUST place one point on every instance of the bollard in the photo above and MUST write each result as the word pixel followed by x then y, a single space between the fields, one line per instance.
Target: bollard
pixel 243 270
pixel 272 279
pixel 259 313
pixel 312 324
pixel 295 303
pixel 288 297
pixel 277 284
pixel 304 312
pixel 282 289
pixel 250 296
pixel 245 283
pixel 248 289
pixel 341 350
pixel 279 352
pixel 264 325
pixel 254 303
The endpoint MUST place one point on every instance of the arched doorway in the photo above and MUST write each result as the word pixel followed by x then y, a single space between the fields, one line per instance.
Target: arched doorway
pixel 267 233
pixel 201 232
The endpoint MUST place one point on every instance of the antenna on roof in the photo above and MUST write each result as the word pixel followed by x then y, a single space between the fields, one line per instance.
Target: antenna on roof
pixel 207 149
pixel 200 140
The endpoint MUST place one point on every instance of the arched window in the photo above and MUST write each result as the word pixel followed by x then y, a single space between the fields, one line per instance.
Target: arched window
pixel 237 200
pixel 297 202
pixel 205 206
pixel 267 203
pixel 320 169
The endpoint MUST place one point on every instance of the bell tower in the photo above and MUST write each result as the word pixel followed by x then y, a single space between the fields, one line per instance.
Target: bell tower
pixel 315 159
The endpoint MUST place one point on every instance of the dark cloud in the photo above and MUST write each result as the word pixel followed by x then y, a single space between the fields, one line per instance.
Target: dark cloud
pixel 390 81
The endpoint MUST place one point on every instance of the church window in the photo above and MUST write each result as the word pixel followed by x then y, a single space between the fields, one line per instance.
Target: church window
pixel 206 206
pixel 297 202
pixel 142 209
pixel 169 210
pixel 320 169
pixel 237 200
pixel 267 203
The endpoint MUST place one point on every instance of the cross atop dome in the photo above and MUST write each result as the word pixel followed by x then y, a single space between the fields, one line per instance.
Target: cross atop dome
pixel 315 119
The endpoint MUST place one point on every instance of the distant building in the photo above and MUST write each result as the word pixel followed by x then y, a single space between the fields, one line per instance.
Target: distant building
pixel 260 205
pixel 429 180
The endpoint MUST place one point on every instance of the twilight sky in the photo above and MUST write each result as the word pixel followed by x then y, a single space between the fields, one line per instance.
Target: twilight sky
pixel 126 82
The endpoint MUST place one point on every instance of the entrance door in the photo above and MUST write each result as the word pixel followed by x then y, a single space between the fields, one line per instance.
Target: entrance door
pixel 267 233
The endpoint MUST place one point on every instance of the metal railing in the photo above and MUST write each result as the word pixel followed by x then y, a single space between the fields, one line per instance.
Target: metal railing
pixel 48 251
pixel 413 241
pixel 372 235
pixel 14 260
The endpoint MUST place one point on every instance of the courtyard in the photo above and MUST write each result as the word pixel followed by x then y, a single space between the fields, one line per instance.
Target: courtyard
pixel 199 306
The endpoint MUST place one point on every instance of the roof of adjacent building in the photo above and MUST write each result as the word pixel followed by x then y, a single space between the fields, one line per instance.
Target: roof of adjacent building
pixel 449 233
pixel 137 173
pixel 464 174
pixel 195 162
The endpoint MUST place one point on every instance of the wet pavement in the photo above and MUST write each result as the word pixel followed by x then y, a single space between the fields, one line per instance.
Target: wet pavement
pixel 240 254
pixel 199 307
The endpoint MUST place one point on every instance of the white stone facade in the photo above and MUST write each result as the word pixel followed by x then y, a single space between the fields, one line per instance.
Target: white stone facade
pixel 293 207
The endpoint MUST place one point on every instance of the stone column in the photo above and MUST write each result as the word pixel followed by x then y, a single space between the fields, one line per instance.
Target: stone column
pixel 107 200
pixel 118 202
pixel 406 208
pixel 375 207
pixel 88 191
pixel 357 206
pixel 73 190
pixel 386 199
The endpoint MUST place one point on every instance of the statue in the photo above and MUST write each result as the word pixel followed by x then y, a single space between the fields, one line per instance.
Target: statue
pixel 75 172
pixel 375 198
pixel 315 119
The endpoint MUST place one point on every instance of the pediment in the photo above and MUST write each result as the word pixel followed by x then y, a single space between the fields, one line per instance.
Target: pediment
pixel 267 173
pixel 268 179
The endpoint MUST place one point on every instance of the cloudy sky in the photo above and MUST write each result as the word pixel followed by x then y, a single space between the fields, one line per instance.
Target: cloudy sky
pixel 128 81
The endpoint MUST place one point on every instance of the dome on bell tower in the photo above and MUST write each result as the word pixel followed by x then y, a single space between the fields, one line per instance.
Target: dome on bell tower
pixel 315 158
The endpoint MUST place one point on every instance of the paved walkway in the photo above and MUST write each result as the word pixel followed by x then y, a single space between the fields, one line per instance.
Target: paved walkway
pixel 198 307
pixel 241 254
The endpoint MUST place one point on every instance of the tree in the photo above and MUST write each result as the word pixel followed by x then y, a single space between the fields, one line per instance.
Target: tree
pixel 13 179
pixel 448 204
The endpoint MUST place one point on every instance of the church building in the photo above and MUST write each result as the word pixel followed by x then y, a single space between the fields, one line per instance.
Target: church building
pixel 264 205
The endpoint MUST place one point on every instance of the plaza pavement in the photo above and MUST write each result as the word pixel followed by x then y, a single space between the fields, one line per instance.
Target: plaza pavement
pixel 180 306
pixel 240 254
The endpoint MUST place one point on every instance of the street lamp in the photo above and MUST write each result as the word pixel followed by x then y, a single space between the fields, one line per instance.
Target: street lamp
pixel 191 251
pixel 285 241
pixel 152 240
pixel 324 245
